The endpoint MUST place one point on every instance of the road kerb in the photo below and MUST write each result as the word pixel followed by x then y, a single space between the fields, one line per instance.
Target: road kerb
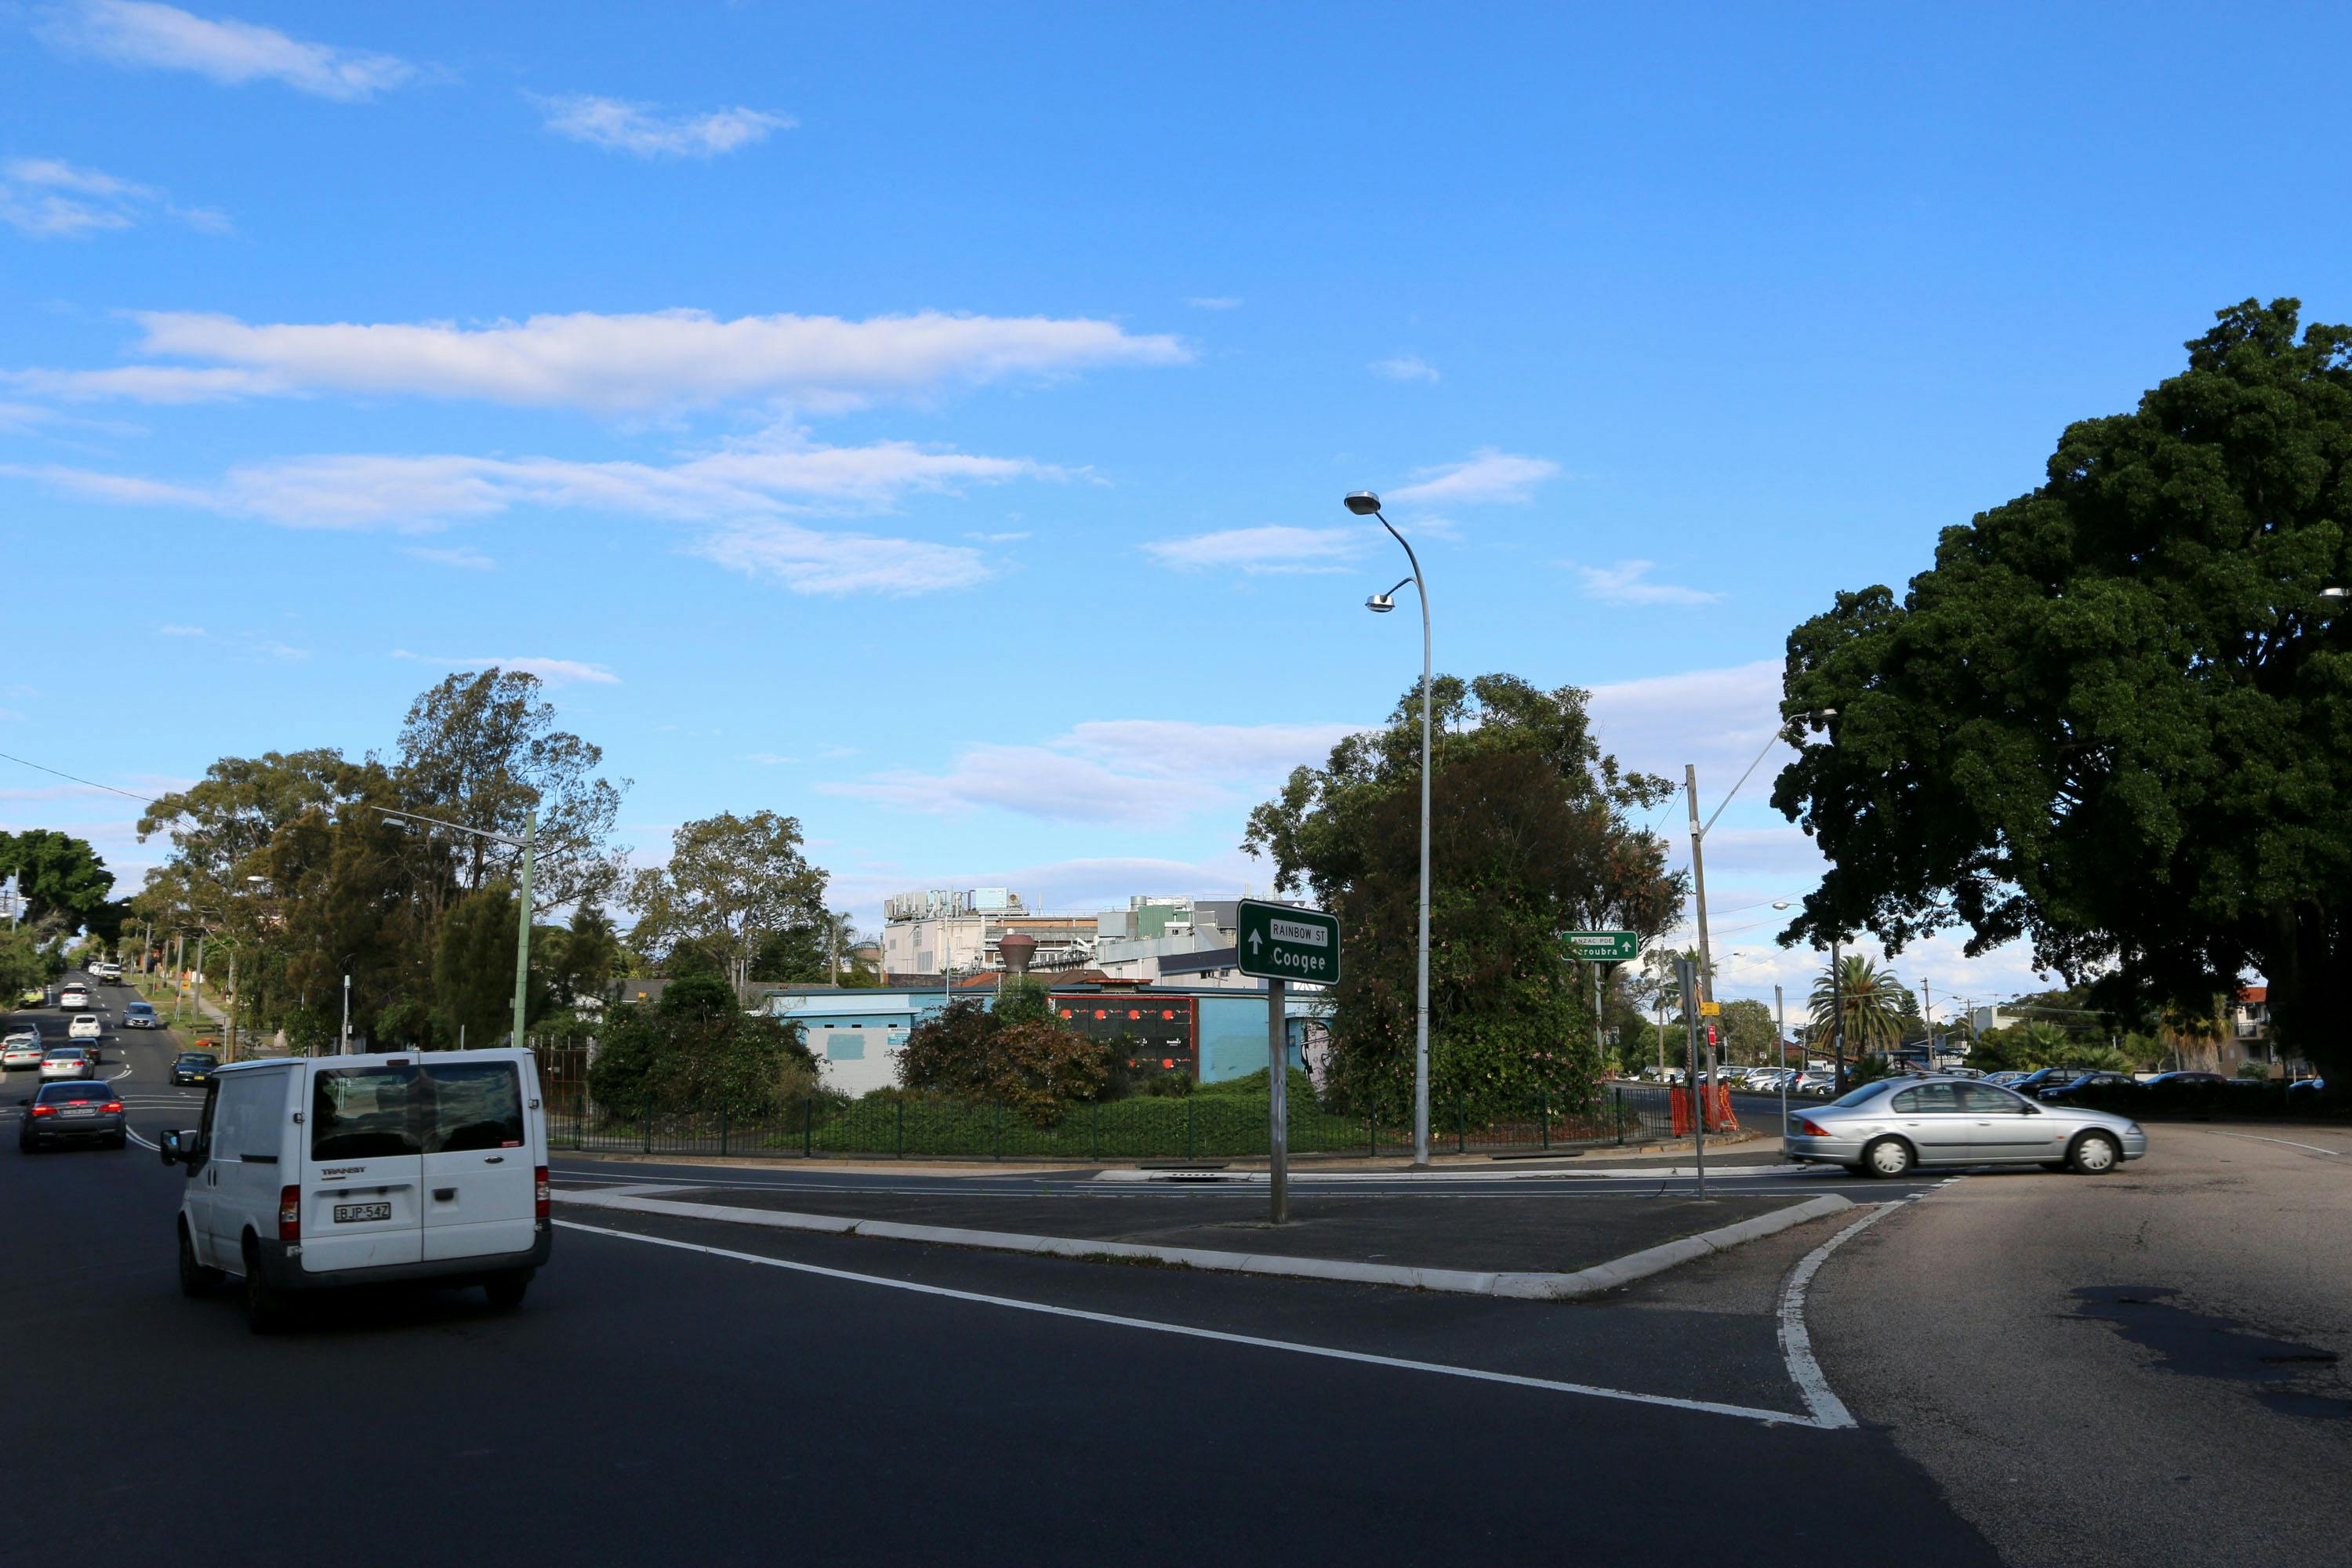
pixel 1519 1285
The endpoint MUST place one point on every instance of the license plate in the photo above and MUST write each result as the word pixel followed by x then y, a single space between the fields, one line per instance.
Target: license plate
pixel 354 1214
pixel 74 1113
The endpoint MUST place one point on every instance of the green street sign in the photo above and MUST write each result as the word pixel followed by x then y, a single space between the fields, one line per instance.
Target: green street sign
pixel 1279 942
pixel 1602 946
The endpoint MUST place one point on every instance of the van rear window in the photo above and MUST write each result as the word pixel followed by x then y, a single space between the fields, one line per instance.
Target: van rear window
pixel 364 1113
pixel 475 1105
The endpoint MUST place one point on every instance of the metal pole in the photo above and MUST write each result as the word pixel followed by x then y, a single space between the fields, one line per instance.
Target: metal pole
pixel 232 1004
pixel 1421 981
pixel 1837 1019
pixel 1698 884
pixel 1277 1113
pixel 1696 1085
pixel 1781 1052
pixel 346 1049
pixel 523 929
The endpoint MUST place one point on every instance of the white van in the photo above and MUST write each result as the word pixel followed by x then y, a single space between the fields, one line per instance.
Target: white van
pixel 320 1172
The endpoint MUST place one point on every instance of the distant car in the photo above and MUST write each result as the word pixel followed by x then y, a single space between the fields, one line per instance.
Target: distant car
pixel 141 1016
pixel 67 1061
pixel 74 997
pixel 20 1049
pixel 85 1027
pixel 107 973
pixel 1887 1128
pixel 72 1113
pixel 33 996
pixel 193 1066
pixel 2003 1080
pixel 2082 1081
pixel 1813 1083
pixel 2184 1080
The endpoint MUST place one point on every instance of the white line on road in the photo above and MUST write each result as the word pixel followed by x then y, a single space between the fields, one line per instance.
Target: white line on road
pixel 1797 1345
pixel 2256 1138
pixel 1185 1330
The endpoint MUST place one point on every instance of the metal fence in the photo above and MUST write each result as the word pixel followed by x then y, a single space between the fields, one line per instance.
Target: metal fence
pixel 1199 1126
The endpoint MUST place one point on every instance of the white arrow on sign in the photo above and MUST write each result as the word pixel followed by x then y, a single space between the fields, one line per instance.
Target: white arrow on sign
pixel 1256 941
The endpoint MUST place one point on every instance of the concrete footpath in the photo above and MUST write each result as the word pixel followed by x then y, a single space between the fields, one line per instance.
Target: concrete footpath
pixel 1553 1246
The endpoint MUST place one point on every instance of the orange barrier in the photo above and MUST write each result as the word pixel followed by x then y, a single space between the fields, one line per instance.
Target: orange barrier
pixel 1719 1117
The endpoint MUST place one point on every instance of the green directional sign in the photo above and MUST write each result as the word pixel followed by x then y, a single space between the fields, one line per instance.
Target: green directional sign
pixel 1602 946
pixel 1279 942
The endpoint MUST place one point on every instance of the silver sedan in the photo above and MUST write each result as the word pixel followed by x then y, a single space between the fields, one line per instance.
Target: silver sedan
pixel 1887 1129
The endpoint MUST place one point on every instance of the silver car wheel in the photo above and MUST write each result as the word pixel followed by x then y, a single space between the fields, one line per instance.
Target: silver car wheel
pixel 1888 1157
pixel 2095 1155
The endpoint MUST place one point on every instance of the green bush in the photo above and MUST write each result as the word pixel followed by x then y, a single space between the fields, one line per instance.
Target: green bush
pixel 696 1048
pixel 1300 1087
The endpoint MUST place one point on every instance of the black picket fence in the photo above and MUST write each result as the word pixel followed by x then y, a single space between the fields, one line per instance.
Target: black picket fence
pixel 1200 1126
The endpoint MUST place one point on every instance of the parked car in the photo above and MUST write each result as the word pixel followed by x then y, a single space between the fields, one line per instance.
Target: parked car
pixel 1814 1083
pixel 193 1066
pixel 2182 1079
pixel 1889 1128
pixel 2003 1080
pixel 85 1027
pixel 72 1113
pixel 22 1048
pixel 2041 1078
pixel 2081 1082
pixel 33 996
pixel 324 1172
pixel 67 1061
pixel 141 1016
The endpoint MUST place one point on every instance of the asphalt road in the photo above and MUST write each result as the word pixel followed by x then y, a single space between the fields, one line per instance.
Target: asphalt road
pixel 687 1390
pixel 848 1401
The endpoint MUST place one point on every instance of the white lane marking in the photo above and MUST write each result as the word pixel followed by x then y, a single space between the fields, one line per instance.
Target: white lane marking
pixel 1185 1330
pixel 2256 1138
pixel 1797 1345
pixel 141 1142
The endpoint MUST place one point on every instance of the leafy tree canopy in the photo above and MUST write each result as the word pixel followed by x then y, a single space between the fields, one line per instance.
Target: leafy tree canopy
pixel 2115 717
pixel 731 882
pixel 1529 837
pixel 63 881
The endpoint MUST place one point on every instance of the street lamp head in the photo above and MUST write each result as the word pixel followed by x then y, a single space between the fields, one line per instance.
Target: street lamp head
pixel 1363 503
pixel 1380 603
pixel 256 881
pixel 2337 594
pixel 1780 903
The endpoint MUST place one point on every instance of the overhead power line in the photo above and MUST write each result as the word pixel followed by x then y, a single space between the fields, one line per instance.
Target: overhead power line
pixel 93 784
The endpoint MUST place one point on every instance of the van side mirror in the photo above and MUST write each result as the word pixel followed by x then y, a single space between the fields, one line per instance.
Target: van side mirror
pixel 185 1147
pixel 168 1146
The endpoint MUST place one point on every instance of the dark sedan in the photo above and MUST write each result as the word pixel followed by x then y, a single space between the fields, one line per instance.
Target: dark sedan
pixel 2098 1080
pixel 193 1066
pixel 72 1113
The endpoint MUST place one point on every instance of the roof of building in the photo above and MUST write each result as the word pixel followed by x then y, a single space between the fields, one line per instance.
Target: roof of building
pixel 2254 994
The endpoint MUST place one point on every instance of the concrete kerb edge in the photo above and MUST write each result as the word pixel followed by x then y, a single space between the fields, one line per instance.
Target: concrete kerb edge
pixel 1522 1286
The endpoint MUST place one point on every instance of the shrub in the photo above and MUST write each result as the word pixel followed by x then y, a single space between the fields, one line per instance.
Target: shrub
pixel 696 1048
pixel 1299 1086
pixel 1021 1056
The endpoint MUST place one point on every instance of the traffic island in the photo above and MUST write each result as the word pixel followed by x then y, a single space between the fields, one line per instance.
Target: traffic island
pixel 1536 1249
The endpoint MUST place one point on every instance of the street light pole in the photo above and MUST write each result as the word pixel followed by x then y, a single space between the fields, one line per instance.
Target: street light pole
pixel 1364 503
pixel 528 844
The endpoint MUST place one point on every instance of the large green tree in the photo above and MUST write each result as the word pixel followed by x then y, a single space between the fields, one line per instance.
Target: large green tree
pixel 731 884
pixel 62 880
pixel 2115 717
pixel 1529 837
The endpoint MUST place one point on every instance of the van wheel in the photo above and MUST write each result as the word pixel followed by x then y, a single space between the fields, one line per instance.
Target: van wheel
pixel 195 1279
pixel 264 1309
pixel 506 1292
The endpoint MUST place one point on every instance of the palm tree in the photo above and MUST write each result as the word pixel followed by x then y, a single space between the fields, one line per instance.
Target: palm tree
pixel 1871 999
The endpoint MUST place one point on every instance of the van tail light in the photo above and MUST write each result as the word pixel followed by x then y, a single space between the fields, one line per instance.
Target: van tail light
pixel 1810 1128
pixel 538 1192
pixel 290 1214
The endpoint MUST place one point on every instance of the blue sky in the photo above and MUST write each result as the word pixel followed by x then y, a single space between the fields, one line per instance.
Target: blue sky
pixel 932 421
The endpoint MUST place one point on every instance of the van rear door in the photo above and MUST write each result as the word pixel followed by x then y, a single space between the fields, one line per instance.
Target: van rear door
pixel 479 1183
pixel 362 1186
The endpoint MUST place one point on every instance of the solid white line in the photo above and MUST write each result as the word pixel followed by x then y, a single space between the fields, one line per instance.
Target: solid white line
pixel 1797 1345
pixel 2258 1139
pixel 1185 1330
pixel 141 1142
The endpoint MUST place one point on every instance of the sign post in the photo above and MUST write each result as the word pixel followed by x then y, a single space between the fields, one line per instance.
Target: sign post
pixel 1277 943
pixel 1605 950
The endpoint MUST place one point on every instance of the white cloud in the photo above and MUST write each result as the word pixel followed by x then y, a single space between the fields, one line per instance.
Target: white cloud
pixel 1626 583
pixel 180 631
pixel 1486 475
pixel 49 198
pixel 998 538
pixel 463 556
pixel 138 33
pixel 1274 547
pixel 779 471
pixel 555 671
pixel 620 126
pixel 808 562
pixel 1133 772
pixel 1213 302
pixel 610 363
pixel 770 759
pixel 1714 718
pixel 1405 367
